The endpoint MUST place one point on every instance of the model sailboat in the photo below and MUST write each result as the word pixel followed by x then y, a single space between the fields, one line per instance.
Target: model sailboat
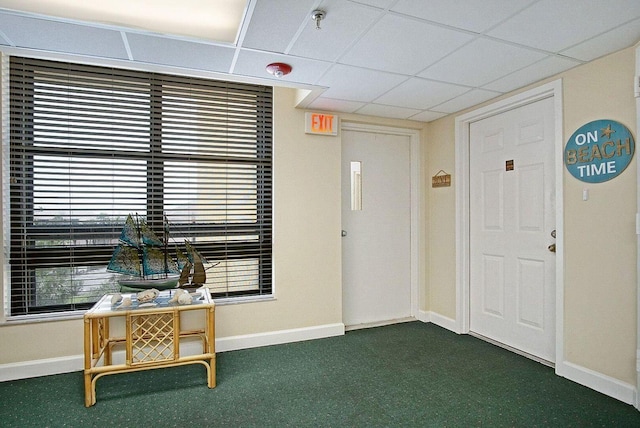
pixel 193 273
pixel 144 257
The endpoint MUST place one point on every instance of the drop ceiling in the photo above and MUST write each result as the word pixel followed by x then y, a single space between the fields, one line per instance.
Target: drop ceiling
pixel 408 59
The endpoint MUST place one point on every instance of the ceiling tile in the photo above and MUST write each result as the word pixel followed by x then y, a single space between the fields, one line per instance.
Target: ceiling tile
pixel 480 62
pixel 421 94
pixel 547 67
pixel 338 30
pixel 254 63
pixel 475 16
pixel 428 116
pixel 382 4
pixel 387 111
pixel 555 25
pixel 357 84
pixel 330 104
pixel 468 99
pixel 179 53
pixel 43 34
pixel 274 23
pixel 611 41
pixel 403 45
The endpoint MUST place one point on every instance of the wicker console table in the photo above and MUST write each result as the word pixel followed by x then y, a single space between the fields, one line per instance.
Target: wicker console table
pixel 151 337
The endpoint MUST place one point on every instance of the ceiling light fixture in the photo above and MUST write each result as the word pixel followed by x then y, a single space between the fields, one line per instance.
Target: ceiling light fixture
pixel 318 15
pixel 278 69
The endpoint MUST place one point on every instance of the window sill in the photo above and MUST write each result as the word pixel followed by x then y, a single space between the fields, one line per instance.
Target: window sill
pixel 40 318
pixel 240 300
pixel 76 315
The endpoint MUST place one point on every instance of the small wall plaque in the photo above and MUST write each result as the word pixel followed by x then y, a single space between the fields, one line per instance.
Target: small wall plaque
pixel 509 165
pixel 441 179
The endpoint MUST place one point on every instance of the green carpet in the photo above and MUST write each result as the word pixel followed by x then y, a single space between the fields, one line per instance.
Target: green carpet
pixel 412 374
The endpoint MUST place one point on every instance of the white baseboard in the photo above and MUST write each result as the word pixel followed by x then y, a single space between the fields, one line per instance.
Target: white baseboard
pixel 423 316
pixel 378 323
pixel 597 381
pixel 439 320
pixel 73 363
pixel 44 367
pixel 278 337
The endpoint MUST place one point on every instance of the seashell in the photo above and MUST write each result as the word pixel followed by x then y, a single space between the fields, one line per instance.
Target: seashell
pixel 126 303
pixel 178 293
pixel 148 305
pixel 184 299
pixel 116 298
pixel 147 295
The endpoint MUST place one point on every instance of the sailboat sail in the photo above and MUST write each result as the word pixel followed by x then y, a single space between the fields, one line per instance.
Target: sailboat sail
pixel 156 262
pixel 185 274
pixel 125 260
pixel 148 237
pixel 184 265
pixel 199 274
pixel 129 234
pixel 193 253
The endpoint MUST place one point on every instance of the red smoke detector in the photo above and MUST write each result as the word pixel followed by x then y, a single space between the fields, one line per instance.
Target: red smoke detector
pixel 278 69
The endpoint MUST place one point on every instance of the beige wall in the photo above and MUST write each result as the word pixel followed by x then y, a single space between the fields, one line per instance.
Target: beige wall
pixel 600 241
pixel 441 233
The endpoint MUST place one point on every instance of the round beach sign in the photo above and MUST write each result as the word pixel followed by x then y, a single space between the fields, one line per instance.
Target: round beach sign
pixel 599 151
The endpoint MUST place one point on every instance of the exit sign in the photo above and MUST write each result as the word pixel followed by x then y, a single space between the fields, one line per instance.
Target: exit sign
pixel 321 123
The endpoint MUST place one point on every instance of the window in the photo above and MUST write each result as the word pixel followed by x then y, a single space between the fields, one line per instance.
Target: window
pixel 91 145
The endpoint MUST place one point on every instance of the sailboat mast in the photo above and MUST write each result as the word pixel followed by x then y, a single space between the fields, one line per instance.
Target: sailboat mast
pixel 165 239
pixel 139 248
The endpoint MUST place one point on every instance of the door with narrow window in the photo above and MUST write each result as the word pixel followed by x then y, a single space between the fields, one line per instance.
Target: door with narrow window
pixel 376 218
pixel 512 228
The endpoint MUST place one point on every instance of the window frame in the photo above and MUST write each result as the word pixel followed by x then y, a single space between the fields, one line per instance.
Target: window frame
pixel 21 210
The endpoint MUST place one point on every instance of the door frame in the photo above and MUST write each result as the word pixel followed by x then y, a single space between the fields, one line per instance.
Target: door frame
pixel 414 137
pixel 462 140
pixel 637 95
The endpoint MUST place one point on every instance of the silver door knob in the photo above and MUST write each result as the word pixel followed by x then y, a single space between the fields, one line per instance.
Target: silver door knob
pixel 552 248
pixel 344 233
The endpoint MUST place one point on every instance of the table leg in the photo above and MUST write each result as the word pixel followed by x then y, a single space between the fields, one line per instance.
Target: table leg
pixel 88 350
pixel 211 345
pixel 106 342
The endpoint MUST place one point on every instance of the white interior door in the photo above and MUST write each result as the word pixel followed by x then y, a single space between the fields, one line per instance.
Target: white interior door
pixel 512 217
pixel 376 217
